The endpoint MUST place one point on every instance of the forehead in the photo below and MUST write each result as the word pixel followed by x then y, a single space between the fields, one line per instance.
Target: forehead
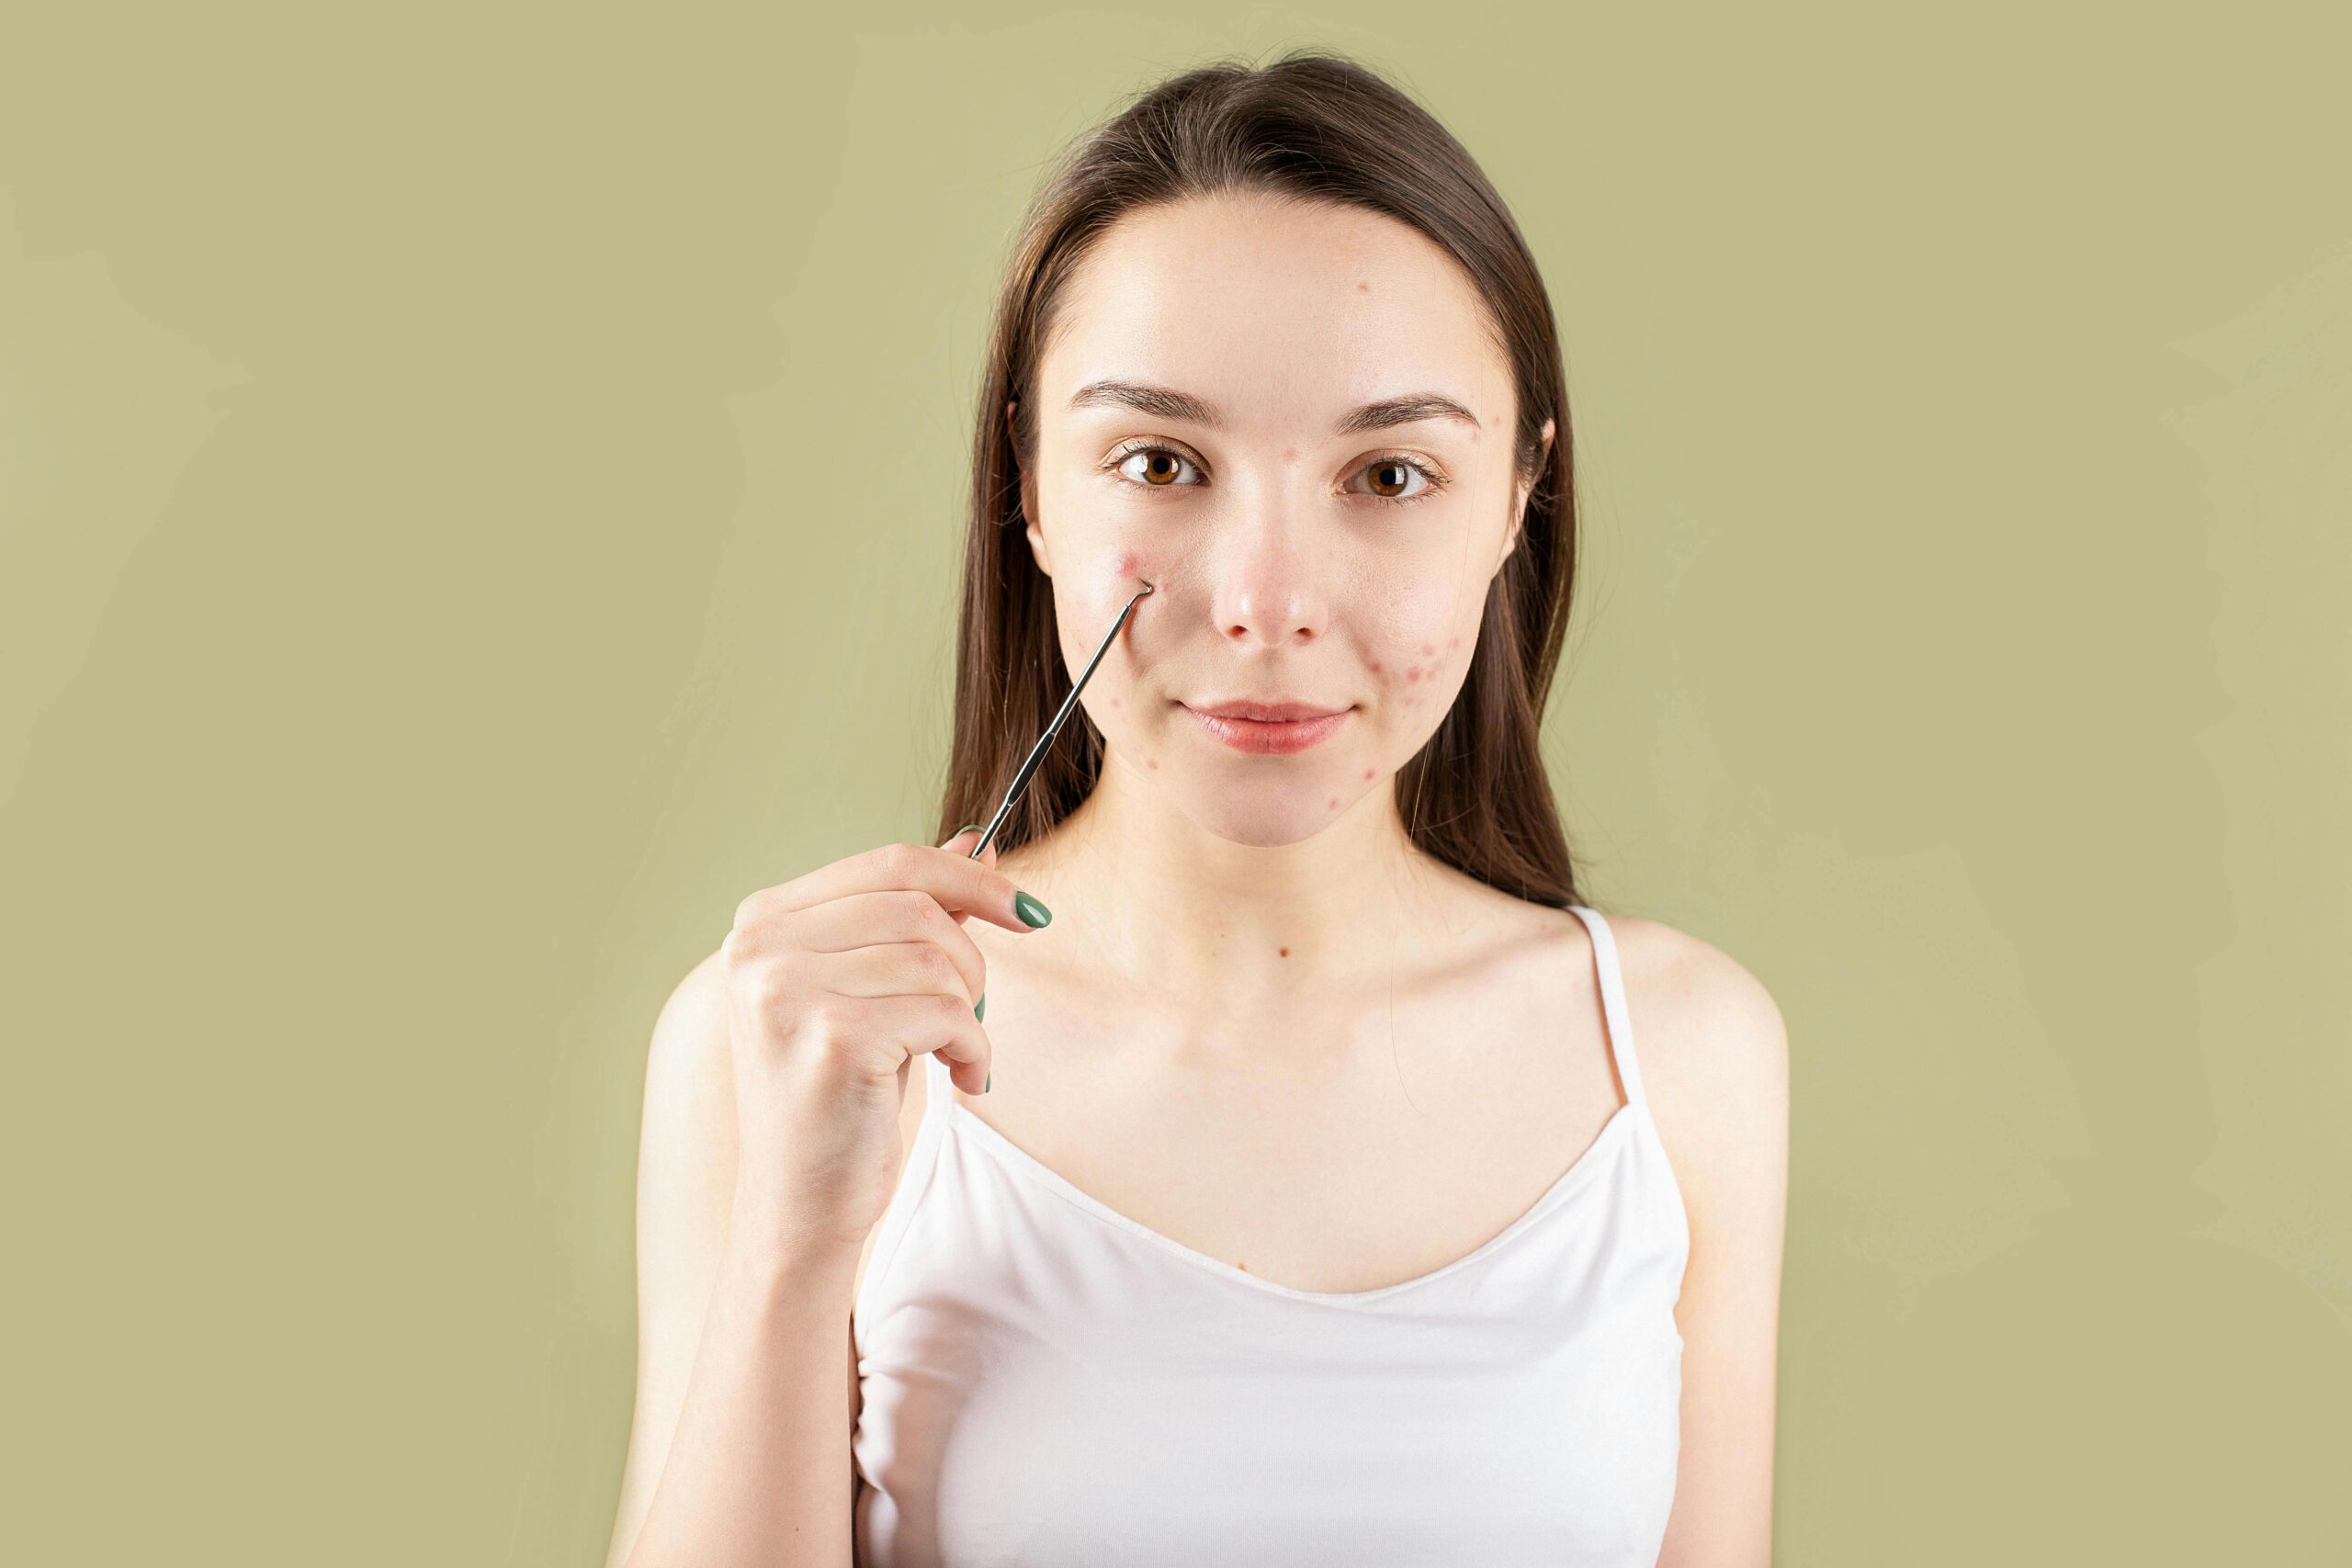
pixel 1275 312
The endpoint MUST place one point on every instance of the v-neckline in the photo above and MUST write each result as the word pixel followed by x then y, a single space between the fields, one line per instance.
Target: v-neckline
pixel 1029 1165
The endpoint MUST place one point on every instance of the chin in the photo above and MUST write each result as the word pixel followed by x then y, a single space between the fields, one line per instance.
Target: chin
pixel 1268 825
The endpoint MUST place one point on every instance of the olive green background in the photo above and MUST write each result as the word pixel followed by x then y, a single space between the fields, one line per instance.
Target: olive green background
pixel 478 495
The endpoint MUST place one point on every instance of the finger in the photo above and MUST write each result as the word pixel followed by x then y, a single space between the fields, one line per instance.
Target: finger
pixel 959 884
pixel 898 921
pixel 895 969
pixel 961 843
pixel 933 1024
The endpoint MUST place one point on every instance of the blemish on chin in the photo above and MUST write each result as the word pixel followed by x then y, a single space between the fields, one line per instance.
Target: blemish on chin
pixel 1367 774
pixel 1334 802
pixel 1375 668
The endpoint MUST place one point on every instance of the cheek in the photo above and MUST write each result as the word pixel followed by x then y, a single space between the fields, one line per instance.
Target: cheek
pixel 1090 596
pixel 1421 671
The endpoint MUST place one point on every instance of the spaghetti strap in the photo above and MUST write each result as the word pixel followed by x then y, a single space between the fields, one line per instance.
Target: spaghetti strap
pixel 1612 1000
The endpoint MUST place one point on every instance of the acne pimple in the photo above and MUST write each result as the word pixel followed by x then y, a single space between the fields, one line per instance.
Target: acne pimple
pixel 1364 288
pixel 1126 563
pixel 1429 647
pixel 1284 951
pixel 1454 642
pixel 1334 801
pixel 1414 673
pixel 1114 701
pixel 1367 772
pixel 1375 668
pixel 1151 762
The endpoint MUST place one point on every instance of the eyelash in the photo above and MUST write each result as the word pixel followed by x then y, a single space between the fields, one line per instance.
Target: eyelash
pixel 1437 481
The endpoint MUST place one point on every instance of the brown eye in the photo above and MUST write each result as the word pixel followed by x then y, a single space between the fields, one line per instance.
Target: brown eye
pixel 1390 478
pixel 1159 467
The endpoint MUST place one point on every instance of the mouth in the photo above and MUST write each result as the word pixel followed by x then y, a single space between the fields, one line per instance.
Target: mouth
pixel 1267 729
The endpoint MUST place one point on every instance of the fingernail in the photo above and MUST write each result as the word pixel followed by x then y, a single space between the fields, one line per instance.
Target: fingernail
pixel 966 828
pixel 1031 911
pixel 980 1008
pixel 988 1083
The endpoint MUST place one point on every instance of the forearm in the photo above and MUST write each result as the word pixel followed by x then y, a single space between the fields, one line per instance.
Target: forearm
pixel 757 1475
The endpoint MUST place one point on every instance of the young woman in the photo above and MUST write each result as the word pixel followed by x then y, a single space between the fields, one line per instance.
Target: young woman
pixel 1358 1193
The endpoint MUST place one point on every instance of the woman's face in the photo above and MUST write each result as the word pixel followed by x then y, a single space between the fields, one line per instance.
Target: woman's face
pixel 1293 422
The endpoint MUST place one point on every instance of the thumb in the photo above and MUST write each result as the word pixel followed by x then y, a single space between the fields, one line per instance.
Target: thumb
pixel 962 842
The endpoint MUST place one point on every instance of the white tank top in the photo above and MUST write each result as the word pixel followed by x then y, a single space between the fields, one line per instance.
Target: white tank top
pixel 1049 1382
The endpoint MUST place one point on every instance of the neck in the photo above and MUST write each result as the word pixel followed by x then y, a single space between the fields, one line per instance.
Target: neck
pixel 1225 929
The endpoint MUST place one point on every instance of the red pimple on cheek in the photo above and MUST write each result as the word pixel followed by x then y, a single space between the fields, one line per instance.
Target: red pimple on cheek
pixel 1367 773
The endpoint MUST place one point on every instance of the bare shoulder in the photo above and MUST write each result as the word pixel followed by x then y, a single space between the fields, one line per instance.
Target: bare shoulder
pixel 1698 1011
pixel 1714 1051
pixel 689 1078
pixel 696 1013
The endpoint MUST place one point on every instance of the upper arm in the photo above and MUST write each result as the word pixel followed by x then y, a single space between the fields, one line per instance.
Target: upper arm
pixel 1717 1074
pixel 685 1177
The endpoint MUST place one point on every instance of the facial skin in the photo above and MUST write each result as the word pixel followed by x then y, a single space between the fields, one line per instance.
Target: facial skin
pixel 1280 565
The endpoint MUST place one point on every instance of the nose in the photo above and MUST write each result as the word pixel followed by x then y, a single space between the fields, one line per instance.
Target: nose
pixel 1266 576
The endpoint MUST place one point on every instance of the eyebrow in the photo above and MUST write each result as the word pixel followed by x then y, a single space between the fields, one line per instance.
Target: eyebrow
pixel 1167 403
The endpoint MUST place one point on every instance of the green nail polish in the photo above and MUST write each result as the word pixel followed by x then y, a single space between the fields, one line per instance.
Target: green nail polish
pixel 988 1083
pixel 980 1008
pixel 966 828
pixel 1031 911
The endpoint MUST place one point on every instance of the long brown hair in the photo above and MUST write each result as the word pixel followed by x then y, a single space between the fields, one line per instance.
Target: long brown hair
pixel 1319 127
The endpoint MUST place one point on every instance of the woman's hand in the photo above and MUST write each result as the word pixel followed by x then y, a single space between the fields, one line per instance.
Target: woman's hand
pixel 836 981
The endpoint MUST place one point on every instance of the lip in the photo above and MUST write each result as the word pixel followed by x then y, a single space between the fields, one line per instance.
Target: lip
pixel 1267 729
